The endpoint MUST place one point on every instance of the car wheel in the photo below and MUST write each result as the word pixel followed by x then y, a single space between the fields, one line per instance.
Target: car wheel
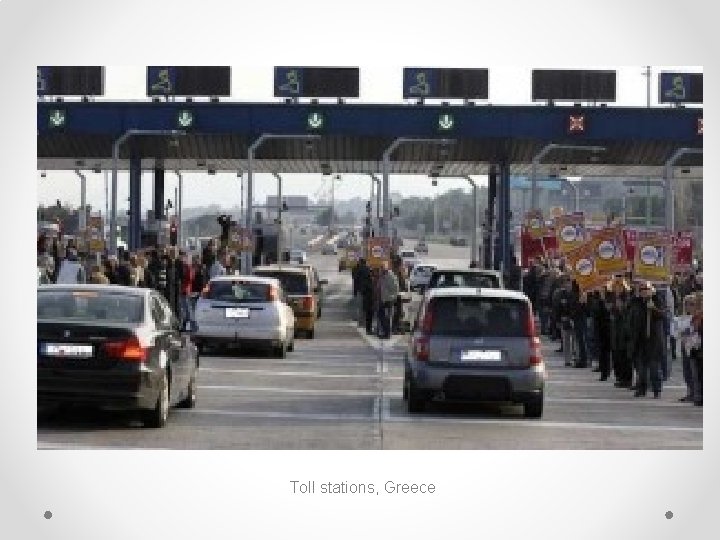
pixel 280 351
pixel 191 398
pixel 291 345
pixel 319 312
pixel 533 408
pixel 157 417
pixel 311 334
pixel 415 400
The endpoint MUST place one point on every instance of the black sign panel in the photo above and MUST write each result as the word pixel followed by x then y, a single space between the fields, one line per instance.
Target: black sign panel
pixel 70 80
pixel 188 81
pixel 317 82
pixel 680 87
pixel 573 85
pixel 445 83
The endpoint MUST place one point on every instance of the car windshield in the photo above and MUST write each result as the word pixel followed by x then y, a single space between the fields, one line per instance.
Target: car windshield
pixel 475 316
pixel 292 282
pixel 238 291
pixel 463 279
pixel 93 306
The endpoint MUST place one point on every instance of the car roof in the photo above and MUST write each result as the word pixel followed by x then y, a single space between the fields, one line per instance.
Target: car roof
pixel 289 268
pixel 483 271
pixel 480 292
pixel 249 279
pixel 131 291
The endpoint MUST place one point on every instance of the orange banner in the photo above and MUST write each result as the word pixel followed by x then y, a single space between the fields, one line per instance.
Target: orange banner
pixel 610 249
pixel 582 264
pixel 570 230
pixel 378 251
pixel 653 256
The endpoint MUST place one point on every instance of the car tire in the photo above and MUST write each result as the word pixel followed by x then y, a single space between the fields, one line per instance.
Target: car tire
pixel 280 351
pixel 157 417
pixel 406 382
pixel 533 408
pixel 191 398
pixel 415 400
pixel 291 345
pixel 319 312
pixel 311 334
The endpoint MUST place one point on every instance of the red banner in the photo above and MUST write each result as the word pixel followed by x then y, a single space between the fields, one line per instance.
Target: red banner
pixel 682 251
pixel 530 247
pixel 631 237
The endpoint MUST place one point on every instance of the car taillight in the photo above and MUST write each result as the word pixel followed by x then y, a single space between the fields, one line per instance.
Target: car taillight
pixel 536 358
pixel 427 322
pixel 126 349
pixel 421 348
pixel 307 303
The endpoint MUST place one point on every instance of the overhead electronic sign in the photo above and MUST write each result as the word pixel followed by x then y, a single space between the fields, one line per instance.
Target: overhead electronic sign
pixel 70 80
pixel 188 81
pixel 447 83
pixel 680 87
pixel 330 82
pixel 573 85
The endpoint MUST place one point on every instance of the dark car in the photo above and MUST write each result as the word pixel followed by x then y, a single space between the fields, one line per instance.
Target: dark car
pixel 473 344
pixel 474 277
pixel 113 347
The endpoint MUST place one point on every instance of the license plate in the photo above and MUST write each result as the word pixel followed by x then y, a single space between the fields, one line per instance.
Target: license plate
pixel 67 350
pixel 480 356
pixel 237 313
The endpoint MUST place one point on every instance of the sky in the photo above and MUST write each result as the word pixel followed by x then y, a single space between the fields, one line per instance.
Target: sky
pixel 508 85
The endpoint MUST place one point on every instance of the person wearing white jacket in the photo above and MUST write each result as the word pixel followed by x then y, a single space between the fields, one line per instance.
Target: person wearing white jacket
pixel 71 270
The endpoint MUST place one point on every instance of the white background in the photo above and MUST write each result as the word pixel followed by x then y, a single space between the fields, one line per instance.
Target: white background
pixel 217 495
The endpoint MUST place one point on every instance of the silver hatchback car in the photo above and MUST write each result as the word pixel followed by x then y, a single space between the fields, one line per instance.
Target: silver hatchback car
pixel 245 310
pixel 475 344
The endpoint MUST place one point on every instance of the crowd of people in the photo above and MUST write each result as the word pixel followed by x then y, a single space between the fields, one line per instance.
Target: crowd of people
pixel 631 329
pixel 379 289
pixel 179 276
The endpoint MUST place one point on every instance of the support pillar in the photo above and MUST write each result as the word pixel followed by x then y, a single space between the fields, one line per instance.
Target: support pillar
pixel 159 193
pixel 134 219
pixel 489 250
pixel 504 215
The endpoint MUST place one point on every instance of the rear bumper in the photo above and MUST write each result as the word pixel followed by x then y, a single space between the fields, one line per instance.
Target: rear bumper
pixel 304 322
pixel 122 388
pixel 478 384
pixel 209 333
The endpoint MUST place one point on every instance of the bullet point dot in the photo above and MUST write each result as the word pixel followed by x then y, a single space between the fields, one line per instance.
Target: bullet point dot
pixel 668 514
pixel 48 514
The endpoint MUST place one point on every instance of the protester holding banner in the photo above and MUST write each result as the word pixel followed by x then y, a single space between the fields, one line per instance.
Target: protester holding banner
pixel 650 342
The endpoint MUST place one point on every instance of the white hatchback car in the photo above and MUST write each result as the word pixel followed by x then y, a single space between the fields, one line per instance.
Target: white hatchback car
pixel 420 276
pixel 245 310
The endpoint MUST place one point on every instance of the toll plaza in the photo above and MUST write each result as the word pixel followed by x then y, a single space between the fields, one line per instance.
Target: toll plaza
pixel 437 140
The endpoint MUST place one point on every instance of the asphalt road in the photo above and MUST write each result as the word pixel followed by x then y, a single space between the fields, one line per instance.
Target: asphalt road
pixel 342 390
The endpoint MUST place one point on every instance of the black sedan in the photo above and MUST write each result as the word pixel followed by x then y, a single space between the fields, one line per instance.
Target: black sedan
pixel 113 347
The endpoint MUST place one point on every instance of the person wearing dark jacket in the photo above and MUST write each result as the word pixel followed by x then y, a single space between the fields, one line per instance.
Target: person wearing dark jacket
pixel 622 365
pixel 124 275
pixel 633 316
pixel 365 288
pixel 650 341
pixel 604 337
pixel 513 275
pixel 578 313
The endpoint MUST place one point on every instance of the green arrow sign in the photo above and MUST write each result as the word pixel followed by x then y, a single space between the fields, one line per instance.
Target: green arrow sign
pixel 446 122
pixel 315 121
pixel 57 118
pixel 185 119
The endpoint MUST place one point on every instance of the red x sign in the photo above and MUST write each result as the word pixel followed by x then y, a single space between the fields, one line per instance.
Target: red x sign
pixel 700 126
pixel 576 123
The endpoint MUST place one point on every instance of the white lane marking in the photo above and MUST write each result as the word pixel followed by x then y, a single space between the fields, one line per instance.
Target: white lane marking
pixel 389 416
pixel 377 344
pixel 281 390
pixel 278 414
pixel 43 445
pixel 566 382
pixel 609 401
pixel 376 408
pixel 309 374
pixel 268 361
